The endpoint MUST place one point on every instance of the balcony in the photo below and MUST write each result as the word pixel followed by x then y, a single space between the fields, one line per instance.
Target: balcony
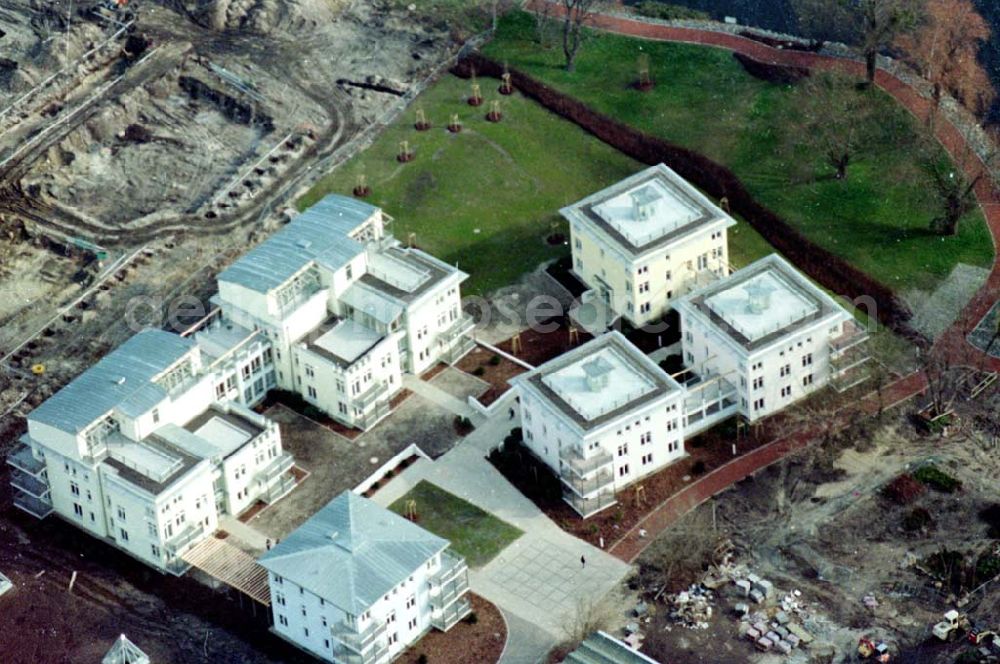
pixel 276 468
pixel 587 486
pixel 24 460
pixel 369 419
pixel 848 359
pixel 844 380
pixel 377 654
pixel 852 336
pixel 189 535
pixel 279 489
pixel 29 485
pixel 451 567
pixel 377 391
pixel 36 507
pixel 590 506
pixel 446 618
pixel 707 401
pixel 363 641
pixel 582 465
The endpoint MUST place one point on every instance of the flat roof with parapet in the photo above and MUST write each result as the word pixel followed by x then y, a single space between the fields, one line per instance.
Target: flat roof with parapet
pixel 152 464
pixel 649 210
pixel 600 380
pixel 406 274
pixel 342 341
pixel 761 303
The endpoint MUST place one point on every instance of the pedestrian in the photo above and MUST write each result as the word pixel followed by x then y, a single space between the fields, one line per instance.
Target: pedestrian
pixel 583 561
pixel 510 414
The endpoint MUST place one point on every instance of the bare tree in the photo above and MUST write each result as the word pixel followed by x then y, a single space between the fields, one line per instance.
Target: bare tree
pixel 591 614
pixel 577 13
pixel 955 181
pixel 872 25
pixel 945 49
pixel 835 120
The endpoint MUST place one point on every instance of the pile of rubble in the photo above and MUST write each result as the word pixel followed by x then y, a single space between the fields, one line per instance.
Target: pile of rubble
pixel 692 608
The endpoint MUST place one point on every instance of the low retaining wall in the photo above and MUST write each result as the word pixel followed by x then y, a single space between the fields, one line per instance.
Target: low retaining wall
pixel 505 401
pixel 378 475
pixel 830 270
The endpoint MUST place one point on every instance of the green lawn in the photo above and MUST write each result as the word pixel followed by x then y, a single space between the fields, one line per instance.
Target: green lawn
pixel 703 99
pixel 473 533
pixel 485 198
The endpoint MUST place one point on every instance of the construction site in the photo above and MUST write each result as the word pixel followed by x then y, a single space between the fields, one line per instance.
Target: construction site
pixel 144 145
pixel 880 543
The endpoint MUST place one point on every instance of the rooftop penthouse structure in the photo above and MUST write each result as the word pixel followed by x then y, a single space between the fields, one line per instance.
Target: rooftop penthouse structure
pixel 645 241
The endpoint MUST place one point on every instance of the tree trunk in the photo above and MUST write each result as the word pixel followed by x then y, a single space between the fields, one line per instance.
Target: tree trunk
pixel 569 45
pixel 840 163
pixel 871 64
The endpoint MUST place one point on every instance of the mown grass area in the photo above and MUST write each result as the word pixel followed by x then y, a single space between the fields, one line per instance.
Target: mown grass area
pixel 487 197
pixel 878 218
pixel 473 533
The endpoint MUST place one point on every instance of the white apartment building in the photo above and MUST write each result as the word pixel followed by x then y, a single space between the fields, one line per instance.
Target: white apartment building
pixel 772 334
pixel 346 308
pixel 358 584
pixel 645 241
pixel 601 416
pixel 138 452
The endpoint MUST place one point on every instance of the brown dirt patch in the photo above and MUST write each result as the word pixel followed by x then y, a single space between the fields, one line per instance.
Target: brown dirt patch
pixel 480 642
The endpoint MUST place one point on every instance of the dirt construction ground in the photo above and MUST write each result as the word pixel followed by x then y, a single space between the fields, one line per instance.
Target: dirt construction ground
pixel 820 528
pixel 142 150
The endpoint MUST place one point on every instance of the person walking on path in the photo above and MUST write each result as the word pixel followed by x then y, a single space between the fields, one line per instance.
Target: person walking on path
pixel 583 561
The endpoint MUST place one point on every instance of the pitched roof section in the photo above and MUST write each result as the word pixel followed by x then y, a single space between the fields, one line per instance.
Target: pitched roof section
pixel 121 379
pixel 319 234
pixel 125 652
pixel 352 552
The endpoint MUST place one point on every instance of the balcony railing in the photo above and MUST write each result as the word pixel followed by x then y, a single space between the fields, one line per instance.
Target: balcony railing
pixel 588 506
pixel 36 507
pixel 589 485
pixel 179 542
pixel 371 395
pixel 369 419
pixel 279 489
pixel 377 654
pixel 277 467
pixel 582 465
pixel 446 618
pixel 451 566
pixel 852 336
pixel 30 485
pixel 24 460
pixel 461 327
pixel 449 592
pixel 848 359
pixel 359 641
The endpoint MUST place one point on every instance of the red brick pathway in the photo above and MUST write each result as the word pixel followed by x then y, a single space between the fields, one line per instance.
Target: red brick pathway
pixel 952 343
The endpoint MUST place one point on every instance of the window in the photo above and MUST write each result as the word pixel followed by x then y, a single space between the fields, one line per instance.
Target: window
pixel 758 404
pixel 623 449
pixel 309 371
pixel 786 370
pixel 282 620
pixel 645 307
pixel 647 458
pixel 220 390
pixel 349 272
pixel 411 601
pixel 303 607
pixel 121 513
pixel 807 380
pixel 74 488
pixel 786 391
pixel 156 415
pixel 672 446
pixel 411 624
pixel 577 243
pixel 391 618
pixel 623 470
pixel 758 382
pixel 155 550
pixel 807 359
pixel 646 438
pixel 393 638
pixel 279 599
pixel 78 510
pixel 311 391
pixel 644 287
pixel 124 534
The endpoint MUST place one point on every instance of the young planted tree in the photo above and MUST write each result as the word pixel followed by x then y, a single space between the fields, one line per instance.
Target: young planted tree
pixel 577 13
pixel 945 49
pixel 835 119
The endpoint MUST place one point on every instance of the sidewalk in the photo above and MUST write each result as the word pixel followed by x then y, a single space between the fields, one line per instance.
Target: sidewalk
pixel 436 395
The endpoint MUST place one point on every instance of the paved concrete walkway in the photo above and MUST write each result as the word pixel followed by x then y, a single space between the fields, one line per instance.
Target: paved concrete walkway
pixel 436 395
pixel 540 577
pixel 246 534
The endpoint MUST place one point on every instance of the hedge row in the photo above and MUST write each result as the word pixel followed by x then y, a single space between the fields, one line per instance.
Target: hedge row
pixel 773 73
pixel 830 270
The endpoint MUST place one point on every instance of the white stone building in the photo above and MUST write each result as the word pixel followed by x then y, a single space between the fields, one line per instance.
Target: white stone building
pixel 346 308
pixel 644 242
pixel 772 334
pixel 357 584
pixel 138 452
pixel 602 416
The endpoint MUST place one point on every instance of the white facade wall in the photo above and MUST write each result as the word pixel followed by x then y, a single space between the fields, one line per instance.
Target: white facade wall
pixel 240 469
pixel 76 492
pixel 426 319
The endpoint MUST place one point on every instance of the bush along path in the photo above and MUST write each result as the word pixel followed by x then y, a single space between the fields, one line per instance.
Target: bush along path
pixel 951 345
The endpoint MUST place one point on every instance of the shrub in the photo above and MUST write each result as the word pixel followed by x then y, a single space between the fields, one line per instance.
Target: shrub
pixel 698 468
pixel 903 490
pixel 478 371
pixel 376 484
pixel 991 517
pixel 772 73
pixel 390 473
pixel 422 659
pixel 917 519
pixel 668 12
pixel 937 479
pixel 495 360
pixel 987 567
pixel 471 619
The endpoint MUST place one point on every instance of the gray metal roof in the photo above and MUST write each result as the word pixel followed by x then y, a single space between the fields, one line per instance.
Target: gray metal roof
pixel 602 648
pixel 121 379
pixel 319 234
pixel 352 552
pixel 369 300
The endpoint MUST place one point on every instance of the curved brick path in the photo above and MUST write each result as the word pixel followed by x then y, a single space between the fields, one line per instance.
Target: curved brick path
pixel 952 342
